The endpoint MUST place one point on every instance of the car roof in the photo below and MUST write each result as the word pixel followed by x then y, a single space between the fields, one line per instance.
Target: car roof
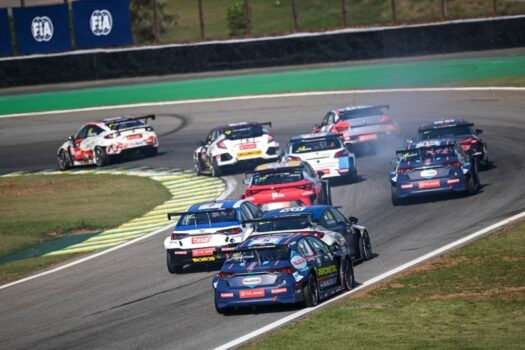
pixel 235 125
pixel 353 108
pixel 220 204
pixel 270 239
pixel 279 165
pixel 315 210
pixel 444 123
pixel 320 135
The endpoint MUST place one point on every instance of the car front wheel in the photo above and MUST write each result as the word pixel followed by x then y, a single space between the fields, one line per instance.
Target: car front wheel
pixel 64 160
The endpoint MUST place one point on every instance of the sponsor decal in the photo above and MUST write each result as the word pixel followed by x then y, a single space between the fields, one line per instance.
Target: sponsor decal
pixel 251 293
pixel 42 29
pixel 298 277
pixel 248 146
pixel 428 174
pixel 203 259
pixel 292 210
pixel 210 206
pixel 200 239
pixel 203 252
pixel 134 136
pixel 429 184
pixel 323 271
pixel 298 262
pixel 277 195
pixel 101 22
pixel 179 252
pixel 249 154
pixel 251 281
pixel 278 290
pixel 226 295
pixel 368 137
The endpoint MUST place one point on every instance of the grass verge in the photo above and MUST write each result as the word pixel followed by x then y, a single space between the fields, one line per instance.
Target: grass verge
pixel 40 208
pixel 472 298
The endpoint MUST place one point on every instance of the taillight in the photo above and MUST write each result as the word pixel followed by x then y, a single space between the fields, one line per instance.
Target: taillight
pixel 250 193
pixel 231 231
pixel 453 164
pixel 221 145
pixel 294 158
pixel 308 186
pixel 271 138
pixel 175 235
pixel 225 275
pixel 282 271
pixel 341 154
pixel 404 170
pixel 319 234
pixel 385 119
pixel 465 146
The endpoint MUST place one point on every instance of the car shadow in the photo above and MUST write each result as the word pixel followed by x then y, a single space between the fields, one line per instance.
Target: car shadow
pixel 341 181
pixel 441 197
pixel 201 268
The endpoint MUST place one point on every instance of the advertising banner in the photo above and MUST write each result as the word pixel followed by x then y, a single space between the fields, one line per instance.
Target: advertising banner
pixel 5 34
pixel 42 29
pixel 101 23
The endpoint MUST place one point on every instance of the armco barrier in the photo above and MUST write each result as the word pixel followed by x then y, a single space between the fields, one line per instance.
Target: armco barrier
pixel 486 34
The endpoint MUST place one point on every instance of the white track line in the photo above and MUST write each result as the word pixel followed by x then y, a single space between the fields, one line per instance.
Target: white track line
pixel 266 96
pixel 230 187
pixel 371 281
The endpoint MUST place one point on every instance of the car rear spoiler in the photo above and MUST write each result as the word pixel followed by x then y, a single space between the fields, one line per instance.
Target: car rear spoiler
pixel 281 218
pixel 267 123
pixel 382 106
pixel 211 210
pixel 261 246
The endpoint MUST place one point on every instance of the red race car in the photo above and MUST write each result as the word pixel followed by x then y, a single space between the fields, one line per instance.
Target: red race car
pixel 286 184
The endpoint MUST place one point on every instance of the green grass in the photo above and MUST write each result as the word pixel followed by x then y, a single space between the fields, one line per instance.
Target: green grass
pixel 473 298
pixel 272 17
pixel 40 208
pixel 504 81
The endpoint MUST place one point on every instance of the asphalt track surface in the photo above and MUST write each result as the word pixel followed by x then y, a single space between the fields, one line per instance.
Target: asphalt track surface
pixel 128 300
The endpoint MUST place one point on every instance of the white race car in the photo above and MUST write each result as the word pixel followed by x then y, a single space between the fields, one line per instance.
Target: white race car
pixel 236 144
pixel 207 232
pixel 96 142
pixel 325 152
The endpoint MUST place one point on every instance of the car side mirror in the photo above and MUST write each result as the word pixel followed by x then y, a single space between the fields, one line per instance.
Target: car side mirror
pixel 334 248
pixel 479 131
pixel 71 138
pixel 353 219
pixel 246 181
pixel 320 174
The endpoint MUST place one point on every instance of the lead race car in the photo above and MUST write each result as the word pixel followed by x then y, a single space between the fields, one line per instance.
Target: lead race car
pixel 97 142
pixel 234 145
pixel 206 232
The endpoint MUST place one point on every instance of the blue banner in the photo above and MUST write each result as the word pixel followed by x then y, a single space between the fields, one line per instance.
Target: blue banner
pixel 5 34
pixel 102 23
pixel 42 29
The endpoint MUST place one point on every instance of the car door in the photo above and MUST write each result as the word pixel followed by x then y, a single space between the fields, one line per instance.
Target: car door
pixel 346 229
pixel 327 270
pixel 77 148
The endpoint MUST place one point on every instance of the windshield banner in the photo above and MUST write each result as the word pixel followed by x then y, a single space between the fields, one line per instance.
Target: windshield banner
pixel 5 37
pixel 42 29
pixel 102 23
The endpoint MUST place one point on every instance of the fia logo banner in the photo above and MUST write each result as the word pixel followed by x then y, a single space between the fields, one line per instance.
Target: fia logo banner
pixel 42 29
pixel 101 22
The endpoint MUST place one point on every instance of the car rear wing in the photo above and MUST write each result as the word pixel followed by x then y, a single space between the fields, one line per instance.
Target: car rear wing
pixel 269 124
pixel 382 106
pixel 261 246
pixel 280 218
pixel 211 210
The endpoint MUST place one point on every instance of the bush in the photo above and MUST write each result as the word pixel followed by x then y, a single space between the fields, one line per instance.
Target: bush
pixel 236 19
pixel 141 14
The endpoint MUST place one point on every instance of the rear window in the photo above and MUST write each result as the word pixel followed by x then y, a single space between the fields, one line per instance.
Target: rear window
pixel 274 178
pixel 244 132
pixel 278 225
pixel 444 133
pixel 423 154
pixel 208 217
pixel 259 255
pixel 360 113
pixel 132 123
pixel 306 146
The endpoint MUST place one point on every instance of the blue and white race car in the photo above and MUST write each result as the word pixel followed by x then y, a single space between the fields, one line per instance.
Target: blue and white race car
pixel 281 269
pixel 325 152
pixel 429 167
pixel 207 232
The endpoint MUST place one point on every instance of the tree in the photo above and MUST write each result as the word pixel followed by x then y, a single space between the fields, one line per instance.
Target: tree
pixel 141 14
pixel 236 18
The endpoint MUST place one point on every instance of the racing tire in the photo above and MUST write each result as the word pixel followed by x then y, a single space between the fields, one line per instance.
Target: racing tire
pixel 395 196
pixel 64 160
pixel 216 170
pixel 101 157
pixel 325 196
pixel 472 187
pixel 198 167
pixel 221 310
pixel 173 268
pixel 347 273
pixel 150 151
pixel 311 292
pixel 365 247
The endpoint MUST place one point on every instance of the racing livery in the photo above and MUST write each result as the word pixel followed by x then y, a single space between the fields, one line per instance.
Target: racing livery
pixel 286 184
pixel 324 222
pixel 207 232
pixel 360 125
pixel 433 166
pixel 238 144
pixel 96 142
pixel 325 152
pixel 459 130
pixel 281 268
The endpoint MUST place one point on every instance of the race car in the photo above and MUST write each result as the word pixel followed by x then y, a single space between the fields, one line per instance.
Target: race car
pixel 207 232
pixel 286 184
pixel 324 222
pixel 325 152
pixel 97 142
pixel 234 145
pixel 360 125
pixel 281 269
pixel 459 130
pixel 429 167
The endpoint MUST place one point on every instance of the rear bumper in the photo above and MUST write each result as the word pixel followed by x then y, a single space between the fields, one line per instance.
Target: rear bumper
pixel 415 191
pixel 365 138
pixel 187 256
pixel 226 159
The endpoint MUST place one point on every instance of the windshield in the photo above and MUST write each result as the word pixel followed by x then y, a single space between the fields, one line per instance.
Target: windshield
pixel 208 217
pixel 422 154
pixel 244 132
pixel 259 255
pixel 125 124
pixel 274 178
pixel 281 225
pixel 306 146
pixel 443 133
pixel 360 113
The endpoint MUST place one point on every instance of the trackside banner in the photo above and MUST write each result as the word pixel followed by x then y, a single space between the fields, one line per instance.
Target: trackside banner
pixel 102 23
pixel 5 37
pixel 42 29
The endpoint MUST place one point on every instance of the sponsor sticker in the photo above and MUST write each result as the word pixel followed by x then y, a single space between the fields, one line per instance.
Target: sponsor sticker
pixel 429 184
pixel 203 252
pixel 249 154
pixel 251 293
pixel 248 146
pixel 203 259
pixel 101 22
pixel 42 29
pixel 134 136
pixel 251 281
pixel 298 262
pixel 200 239
pixel 428 174
pixel 210 206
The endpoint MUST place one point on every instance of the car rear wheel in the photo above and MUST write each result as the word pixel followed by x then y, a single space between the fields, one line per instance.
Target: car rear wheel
pixel 216 170
pixel 101 157
pixel 348 274
pixel 172 266
pixel 64 160
pixel 395 196
pixel 365 246
pixel 221 310
pixel 311 292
